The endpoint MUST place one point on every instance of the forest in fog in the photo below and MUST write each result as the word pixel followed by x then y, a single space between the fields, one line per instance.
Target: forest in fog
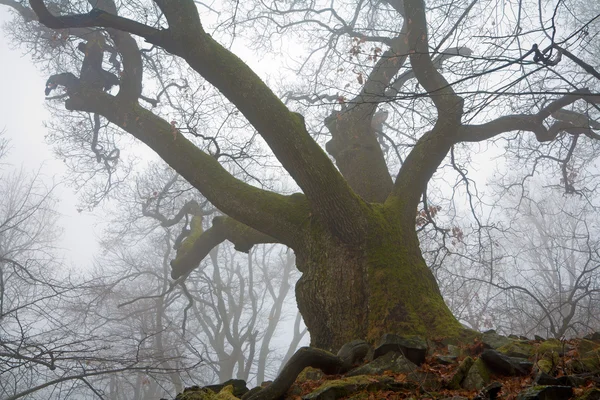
pixel 271 174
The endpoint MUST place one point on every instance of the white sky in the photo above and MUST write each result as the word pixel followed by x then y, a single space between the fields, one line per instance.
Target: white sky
pixel 22 114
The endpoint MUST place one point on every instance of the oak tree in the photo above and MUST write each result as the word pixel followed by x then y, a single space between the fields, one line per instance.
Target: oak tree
pixel 353 224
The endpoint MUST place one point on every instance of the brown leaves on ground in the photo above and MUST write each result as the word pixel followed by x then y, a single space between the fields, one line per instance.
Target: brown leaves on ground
pixel 511 386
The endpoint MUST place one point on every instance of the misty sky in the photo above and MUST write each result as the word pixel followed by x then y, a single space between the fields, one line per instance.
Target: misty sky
pixel 22 113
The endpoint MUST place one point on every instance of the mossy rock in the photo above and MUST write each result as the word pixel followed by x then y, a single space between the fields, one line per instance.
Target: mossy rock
pixel 226 394
pixel 197 393
pixel 549 346
pixel 454 351
pixel 591 360
pixel 394 362
pixel 493 341
pixel 477 377
pixel 517 348
pixel 548 365
pixel 339 388
pixel 309 374
pixel 460 374
pixel 586 346
pixel 464 337
pixel 546 392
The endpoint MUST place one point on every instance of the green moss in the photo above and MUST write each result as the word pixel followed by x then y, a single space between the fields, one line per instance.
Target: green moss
pixel 403 294
pixel 226 394
pixel 590 394
pixel 464 337
pixel 547 365
pixel 585 346
pixel 346 386
pixel 517 348
pixel 195 232
pixel 460 374
pixel 550 345
pixel 477 377
pixel 591 360
pixel 196 393
pixel 309 374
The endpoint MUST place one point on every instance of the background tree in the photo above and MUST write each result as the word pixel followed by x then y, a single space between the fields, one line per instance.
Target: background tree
pixel 59 335
pixel 353 227
pixel 544 276
pixel 230 310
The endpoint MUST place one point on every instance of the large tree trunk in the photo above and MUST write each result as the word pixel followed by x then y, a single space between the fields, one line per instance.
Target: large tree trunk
pixel 362 292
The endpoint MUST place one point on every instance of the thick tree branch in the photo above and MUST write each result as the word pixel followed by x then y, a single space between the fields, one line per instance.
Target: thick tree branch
pixel 433 146
pixel 27 14
pixel 223 228
pixel 448 104
pixel 131 76
pixel 271 213
pixel 354 143
pixel 534 123
pixel 438 63
pixel 190 207
pixel 329 194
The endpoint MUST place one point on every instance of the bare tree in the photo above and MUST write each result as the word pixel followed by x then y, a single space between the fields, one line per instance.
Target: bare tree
pixel 233 307
pixel 27 284
pixel 54 341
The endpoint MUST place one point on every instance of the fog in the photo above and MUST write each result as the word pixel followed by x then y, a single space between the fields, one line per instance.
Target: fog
pixel 192 192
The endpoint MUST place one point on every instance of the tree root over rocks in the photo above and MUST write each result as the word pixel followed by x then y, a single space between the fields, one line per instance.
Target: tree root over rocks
pixel 350 353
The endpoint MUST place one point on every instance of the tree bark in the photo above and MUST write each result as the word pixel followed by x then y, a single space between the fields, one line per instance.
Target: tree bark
pixel 362 292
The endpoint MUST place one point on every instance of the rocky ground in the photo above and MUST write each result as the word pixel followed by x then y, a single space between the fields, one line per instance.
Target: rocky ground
pixel 486 366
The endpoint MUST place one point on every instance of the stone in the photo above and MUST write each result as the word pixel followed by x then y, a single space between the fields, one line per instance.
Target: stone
pixel 354 352
pixel 393 361
pixel 445 360
pixel 504 365
pixel 586 346
pixel 310 374
pixel 336 389
pixel 492 340
pixel 589 357
pixel 454 351
pixel 551 346
pixel 477 377
pixel 546 393
pixel 490 392
pixel 460 374
pixel 226 394
pixel 239 387
pixel 543 378
pixel 516 348
pixel 197 393
pixel 413 348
